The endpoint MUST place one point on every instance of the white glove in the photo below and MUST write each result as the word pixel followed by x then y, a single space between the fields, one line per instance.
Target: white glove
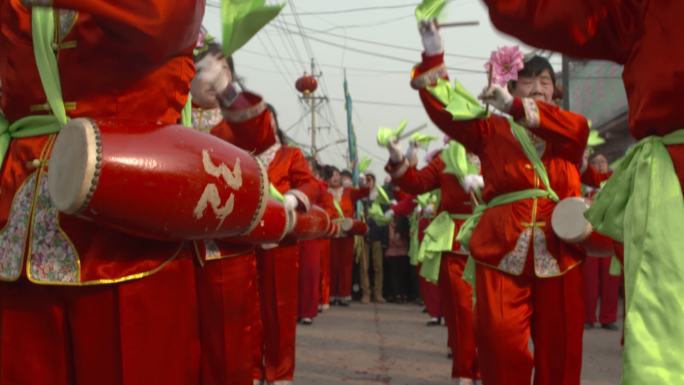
pixel 429 210
pixel 497 97
pixel 389 213
pixel 412 153
pixel 214 71
pixel 433 44
pixel 472 182
pixel 395 152
pixel 290 202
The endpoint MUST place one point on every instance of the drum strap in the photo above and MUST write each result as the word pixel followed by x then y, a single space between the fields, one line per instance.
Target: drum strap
pixel 642 205
pixel 520 133
pixel 43 30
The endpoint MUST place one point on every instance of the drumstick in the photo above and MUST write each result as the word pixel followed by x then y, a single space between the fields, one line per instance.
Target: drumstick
pixel 473 198
pixel 411 132
pixel 459 24
pixel 489 84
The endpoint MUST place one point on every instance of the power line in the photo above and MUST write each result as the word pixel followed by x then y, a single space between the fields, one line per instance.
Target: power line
pixel 370 53
pixel 351 10
pixel 379 103
pixel 370 70
pixel 371 24
pixel 383 44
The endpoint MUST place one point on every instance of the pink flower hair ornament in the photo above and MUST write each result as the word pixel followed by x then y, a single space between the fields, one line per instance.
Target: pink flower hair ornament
pixel 504 64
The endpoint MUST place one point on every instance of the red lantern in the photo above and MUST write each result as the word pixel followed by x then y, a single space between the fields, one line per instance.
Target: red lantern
pixel 306 84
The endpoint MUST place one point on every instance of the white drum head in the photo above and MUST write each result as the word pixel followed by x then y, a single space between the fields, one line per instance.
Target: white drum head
pixel 568 220
pixel 347 224
pixel 73 165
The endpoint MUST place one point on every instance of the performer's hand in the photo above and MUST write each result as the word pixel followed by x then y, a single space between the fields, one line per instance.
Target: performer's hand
pixel 429 210
pixel 389 213
pixel 412 153
pixel 472 182
pixel 290 202
pixel 395 152
pixel 433 44
pixel 498 97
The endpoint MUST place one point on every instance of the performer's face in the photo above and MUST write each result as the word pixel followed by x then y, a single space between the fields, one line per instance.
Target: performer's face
pixel 211 70
pixel 538 87
pixel 335 180
pixel 600 163
pixel 347 181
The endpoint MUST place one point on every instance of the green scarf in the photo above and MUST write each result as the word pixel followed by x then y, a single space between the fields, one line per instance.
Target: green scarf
pixel 642 205
pixel 43 30
pixel 439 238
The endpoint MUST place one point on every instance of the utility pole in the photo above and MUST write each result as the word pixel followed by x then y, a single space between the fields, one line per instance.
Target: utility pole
pixel 566 82
pixel 313 116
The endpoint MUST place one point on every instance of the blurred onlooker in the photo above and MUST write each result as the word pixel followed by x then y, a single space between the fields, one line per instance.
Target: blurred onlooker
pixel 376 242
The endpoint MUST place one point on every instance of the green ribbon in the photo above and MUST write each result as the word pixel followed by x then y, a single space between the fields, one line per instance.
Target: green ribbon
pixel 378 216
pixel 421 139
pixel 457 101
pixel 338 208
pixel 386 135
pixel 595 139
pixel 468 227
pixel 186 113
pixel 364 164
pixel 455 158
pixel 414 240
pixel 275 194
pixel 43 28
pixel 438 238
pixel 615 267
pixel 642 205
pixel 530 151
pixel 429 9
pixel 242 19
pixel 382 198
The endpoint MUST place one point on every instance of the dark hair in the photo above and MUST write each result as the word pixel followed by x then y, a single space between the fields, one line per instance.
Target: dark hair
pixel 535 67
pixel 328 171
pixel 371 175
pixel 279 133
pixel 215 49
pixel 346 173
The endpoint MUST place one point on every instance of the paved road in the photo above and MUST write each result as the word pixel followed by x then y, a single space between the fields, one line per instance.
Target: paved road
pixel 390 344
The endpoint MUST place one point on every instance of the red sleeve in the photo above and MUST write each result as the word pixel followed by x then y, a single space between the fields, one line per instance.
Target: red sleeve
pixel 600 29
pixel 405 207
pixel 417 182
pixel 301 177
pixel 223 131
pixel 566 131
pixel 593 178
pixel 155 29
pixel 358 193
pixel 327 204
pixel 468 132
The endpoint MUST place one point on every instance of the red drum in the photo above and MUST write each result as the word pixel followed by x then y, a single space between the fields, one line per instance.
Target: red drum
pixel 569 224
pixel 274 225
pixel 311 225
pixel 358 228
pixel 161 182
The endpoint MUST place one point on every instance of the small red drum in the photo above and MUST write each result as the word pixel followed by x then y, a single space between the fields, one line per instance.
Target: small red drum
pixel 272 228
pixel 311 225
pixel 569 224
pixel 357 228
pixel 162 182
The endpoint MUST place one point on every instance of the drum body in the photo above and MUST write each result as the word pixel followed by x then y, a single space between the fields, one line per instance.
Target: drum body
pixel 162 182
pixel 569 224
pixel 312 224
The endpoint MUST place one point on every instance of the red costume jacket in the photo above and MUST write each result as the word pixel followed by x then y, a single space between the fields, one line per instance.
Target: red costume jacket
pixel 505 233
pixel 129 59
pixel 454 199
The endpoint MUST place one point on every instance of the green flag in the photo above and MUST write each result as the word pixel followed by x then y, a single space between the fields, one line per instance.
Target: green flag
pixel 242 19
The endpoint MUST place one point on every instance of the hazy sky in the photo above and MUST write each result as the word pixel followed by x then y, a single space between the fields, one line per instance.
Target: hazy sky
pixel 272 61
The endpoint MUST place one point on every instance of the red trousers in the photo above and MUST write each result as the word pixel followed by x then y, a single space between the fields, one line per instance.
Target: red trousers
pixel 511 309
pixel 278 283
pixel 228 300
pixel 341 267
pixel 309 278
pixel 430 293
pixel 138 332
pixel 325 272
pixel 598 283
pixel 457 306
